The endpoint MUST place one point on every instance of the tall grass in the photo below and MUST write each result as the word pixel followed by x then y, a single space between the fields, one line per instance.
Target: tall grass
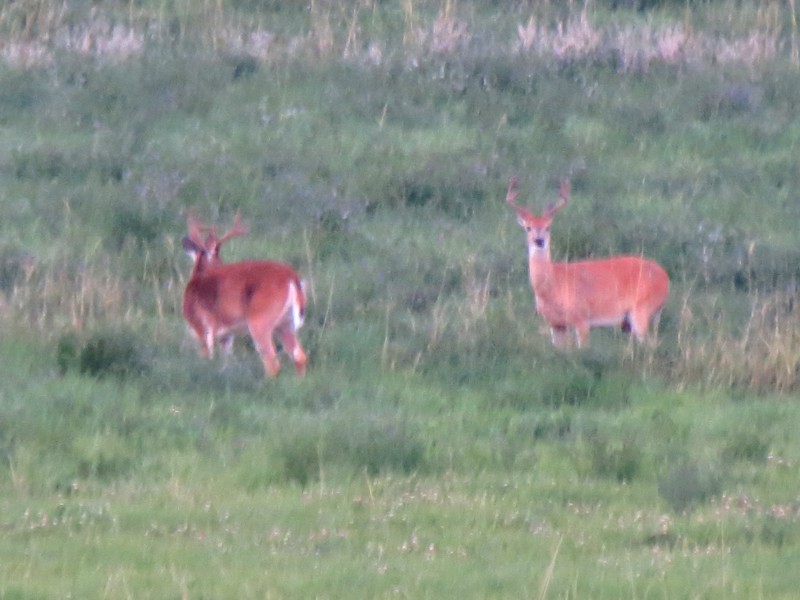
pixel 757 354
pixel 439 445
pixel 329 173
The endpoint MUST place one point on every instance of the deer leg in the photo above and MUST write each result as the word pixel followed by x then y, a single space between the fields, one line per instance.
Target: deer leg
pixel 205 337
pixel 558 335
pixel 226 341
pixel 639 321
pixel 201 334
pixel 582 334
pixel 208 343
pixel 646 319
pixel 272 365
pixel 262 338
pixel 196 320
pixel 292 346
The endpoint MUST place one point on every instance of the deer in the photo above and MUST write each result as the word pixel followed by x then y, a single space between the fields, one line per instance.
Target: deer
pixel 263 297
pixel 626 291
pixel 211 246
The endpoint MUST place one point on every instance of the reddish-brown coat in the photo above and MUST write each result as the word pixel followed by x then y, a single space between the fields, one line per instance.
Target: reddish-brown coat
pixel 260 296
pixel 619 291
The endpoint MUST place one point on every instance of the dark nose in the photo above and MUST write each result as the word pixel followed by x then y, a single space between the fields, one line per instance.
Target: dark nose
pixel 539 242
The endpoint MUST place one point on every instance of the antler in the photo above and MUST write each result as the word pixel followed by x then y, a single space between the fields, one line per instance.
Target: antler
pixel 196 229
pixel 195 244
pixel 563 198
pixel 564 191
pixel 511 195
pixel 237 230
pixel 563 194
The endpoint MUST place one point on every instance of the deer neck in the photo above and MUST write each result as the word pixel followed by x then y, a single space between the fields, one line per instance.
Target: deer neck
pixel 541 272
pixel 201 264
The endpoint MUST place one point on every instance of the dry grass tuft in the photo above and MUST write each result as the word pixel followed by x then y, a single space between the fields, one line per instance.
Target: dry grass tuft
pixel 573 39
pixel 763 357
pixel 448 33
pixel 47 33
pixel 34 33
pixel 637 47
pixel 72 296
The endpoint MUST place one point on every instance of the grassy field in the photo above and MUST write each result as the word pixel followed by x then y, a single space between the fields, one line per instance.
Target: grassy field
pixel 438 446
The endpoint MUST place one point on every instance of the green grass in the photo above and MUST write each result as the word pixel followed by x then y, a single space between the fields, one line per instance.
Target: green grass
pixel 438 446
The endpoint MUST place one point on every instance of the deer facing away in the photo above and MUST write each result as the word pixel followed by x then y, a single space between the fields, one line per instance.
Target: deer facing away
pixel 619 291
pixel 260 296
pixel 204 246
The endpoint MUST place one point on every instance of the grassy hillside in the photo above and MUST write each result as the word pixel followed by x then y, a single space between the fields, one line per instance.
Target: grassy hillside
pixel 438 446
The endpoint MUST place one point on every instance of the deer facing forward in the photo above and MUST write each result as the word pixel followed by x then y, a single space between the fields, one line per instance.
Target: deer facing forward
pixel 260 296
pixel 619 291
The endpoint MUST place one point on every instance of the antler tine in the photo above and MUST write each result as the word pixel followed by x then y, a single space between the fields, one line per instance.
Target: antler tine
pixel 564 191
pixel 237 230
pixel 511 195
pixel 196 228
pixel 563 198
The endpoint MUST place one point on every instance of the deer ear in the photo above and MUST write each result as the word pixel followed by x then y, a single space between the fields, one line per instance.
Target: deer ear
pixel 191 247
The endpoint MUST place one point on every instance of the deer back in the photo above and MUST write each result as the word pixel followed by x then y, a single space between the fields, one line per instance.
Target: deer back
pixel 602 291
pixel 227 295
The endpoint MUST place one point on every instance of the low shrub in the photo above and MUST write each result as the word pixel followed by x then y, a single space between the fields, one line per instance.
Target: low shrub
pixel 688 483
pixel 375 444
pixel 103 457
pixel 606 454
pixel 101 354
pixel 745 446
pixel 587 380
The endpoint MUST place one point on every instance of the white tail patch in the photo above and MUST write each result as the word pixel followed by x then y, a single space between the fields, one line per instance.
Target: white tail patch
pixel 294 306
pixel 298 310
pixel 259 296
